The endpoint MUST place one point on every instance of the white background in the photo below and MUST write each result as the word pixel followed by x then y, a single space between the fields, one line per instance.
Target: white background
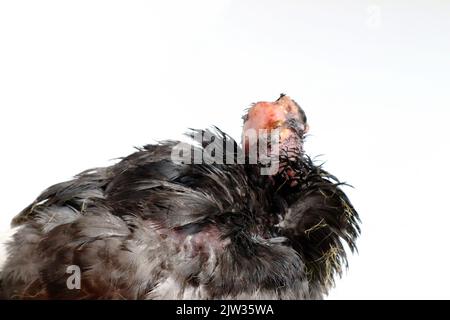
pixel 82 82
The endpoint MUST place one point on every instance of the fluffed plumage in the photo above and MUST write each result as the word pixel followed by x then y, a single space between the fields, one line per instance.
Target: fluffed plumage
pixel 150 228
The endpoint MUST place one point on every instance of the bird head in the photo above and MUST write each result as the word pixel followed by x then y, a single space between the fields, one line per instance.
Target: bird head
pixel 285 117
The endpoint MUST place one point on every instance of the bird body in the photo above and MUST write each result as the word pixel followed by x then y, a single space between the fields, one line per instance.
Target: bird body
pixel 149 227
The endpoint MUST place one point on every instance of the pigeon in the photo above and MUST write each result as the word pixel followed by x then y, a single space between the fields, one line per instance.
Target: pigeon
pixel 206 219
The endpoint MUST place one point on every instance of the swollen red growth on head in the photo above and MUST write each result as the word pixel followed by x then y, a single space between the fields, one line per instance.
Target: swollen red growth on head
pixel 272 115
